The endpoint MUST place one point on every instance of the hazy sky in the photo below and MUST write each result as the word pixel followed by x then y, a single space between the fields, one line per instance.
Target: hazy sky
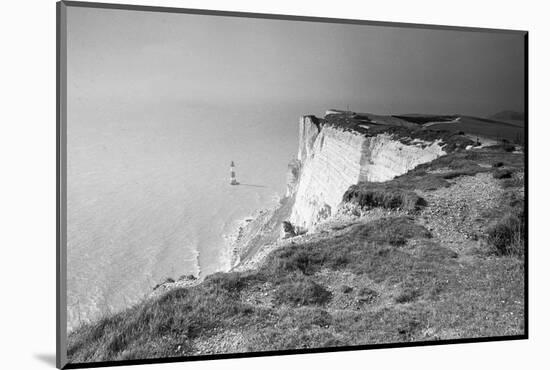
pixel 139 58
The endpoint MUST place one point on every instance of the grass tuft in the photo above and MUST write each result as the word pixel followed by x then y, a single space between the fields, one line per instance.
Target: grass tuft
pixel 407 294
pixel 507 234
pixel 503 174
pixel 302 292
pixel 372 195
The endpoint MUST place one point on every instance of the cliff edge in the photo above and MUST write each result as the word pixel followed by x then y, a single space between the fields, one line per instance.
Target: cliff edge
pixel 333 156
pixel 335 152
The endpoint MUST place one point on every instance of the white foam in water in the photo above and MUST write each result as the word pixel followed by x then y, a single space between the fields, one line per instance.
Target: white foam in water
pixel 149 196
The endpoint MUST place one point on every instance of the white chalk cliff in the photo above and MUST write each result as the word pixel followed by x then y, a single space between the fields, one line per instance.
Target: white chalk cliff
pixel 331 159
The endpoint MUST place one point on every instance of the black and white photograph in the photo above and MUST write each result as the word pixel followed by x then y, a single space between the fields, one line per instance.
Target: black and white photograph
pixel 247 184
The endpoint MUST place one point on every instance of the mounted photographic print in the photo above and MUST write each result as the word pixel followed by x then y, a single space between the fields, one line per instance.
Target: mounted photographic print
pixel 235 184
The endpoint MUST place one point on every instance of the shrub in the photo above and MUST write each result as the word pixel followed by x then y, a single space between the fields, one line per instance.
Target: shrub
pixel 346 289
pixel 502 174
pixel 507 234
pixel 367 295
pixel 187 277
pixel 371 195
pixel 512 183
pixel 407 294
pixel 408 329
pixel 228 281
pixel 302 292
pixel 288 229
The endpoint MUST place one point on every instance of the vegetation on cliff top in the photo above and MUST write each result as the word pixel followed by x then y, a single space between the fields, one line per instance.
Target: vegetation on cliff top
pixel 399 192
pixel 449 129
pixel 371 125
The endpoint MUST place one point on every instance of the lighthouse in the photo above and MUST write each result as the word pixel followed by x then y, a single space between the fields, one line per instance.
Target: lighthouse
pixel 233 179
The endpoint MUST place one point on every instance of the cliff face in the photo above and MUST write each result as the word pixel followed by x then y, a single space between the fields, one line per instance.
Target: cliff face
pixel 331 159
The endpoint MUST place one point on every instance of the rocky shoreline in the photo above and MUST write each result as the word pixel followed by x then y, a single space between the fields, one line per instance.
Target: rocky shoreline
pixel 238 243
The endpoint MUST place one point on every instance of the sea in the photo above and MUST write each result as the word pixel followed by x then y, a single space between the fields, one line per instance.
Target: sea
pixel 148 193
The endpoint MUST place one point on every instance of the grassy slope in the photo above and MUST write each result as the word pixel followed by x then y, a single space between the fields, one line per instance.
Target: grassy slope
pixel 366 281
pixel 513 117
pixel 511 130
pixel 416 125
pixel 483 127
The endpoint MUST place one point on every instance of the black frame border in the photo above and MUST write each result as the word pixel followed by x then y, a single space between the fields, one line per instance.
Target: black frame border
pixel 61 183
